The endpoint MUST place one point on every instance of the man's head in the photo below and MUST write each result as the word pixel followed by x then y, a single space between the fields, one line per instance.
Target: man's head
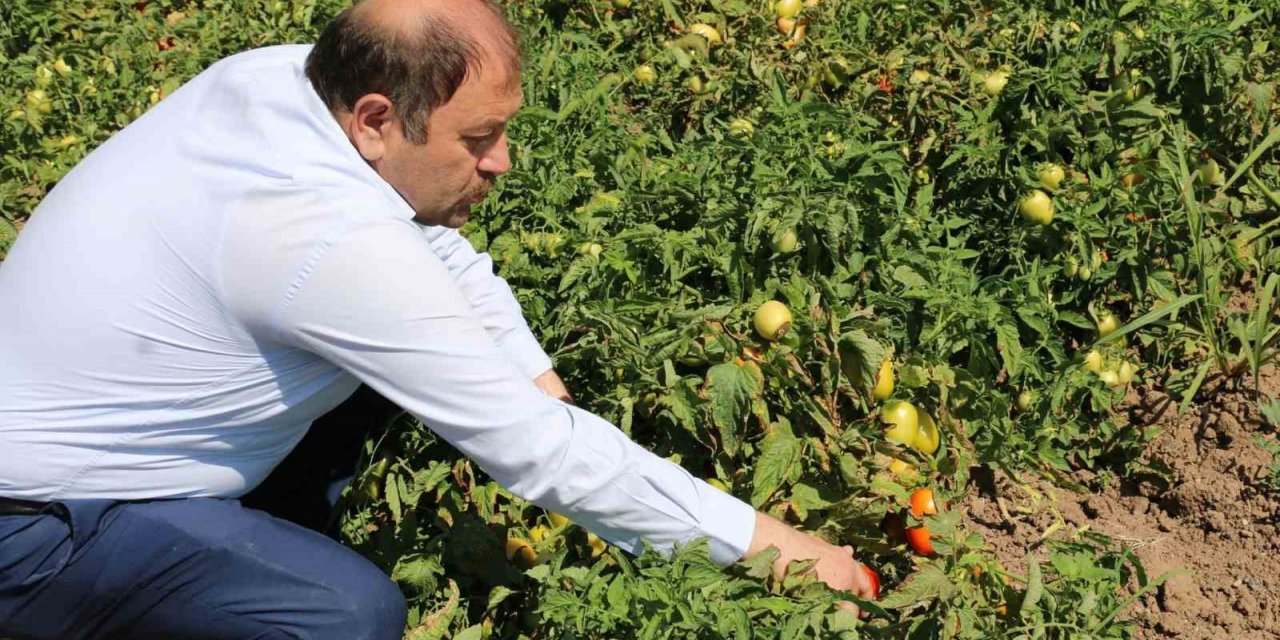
pixel 424 90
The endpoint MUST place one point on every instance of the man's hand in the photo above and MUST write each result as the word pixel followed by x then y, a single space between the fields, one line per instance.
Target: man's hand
pixel 836 566
pixel 552 385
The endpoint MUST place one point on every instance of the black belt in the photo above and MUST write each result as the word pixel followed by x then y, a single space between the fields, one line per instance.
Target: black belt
pixel 16 507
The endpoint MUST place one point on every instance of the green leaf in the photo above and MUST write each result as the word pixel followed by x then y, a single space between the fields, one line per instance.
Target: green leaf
pixel 780 452
pixel 928 583
pixel 731 388
pixel 1035 587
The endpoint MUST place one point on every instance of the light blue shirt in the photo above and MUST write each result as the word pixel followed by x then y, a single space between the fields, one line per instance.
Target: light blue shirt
pixel 227 268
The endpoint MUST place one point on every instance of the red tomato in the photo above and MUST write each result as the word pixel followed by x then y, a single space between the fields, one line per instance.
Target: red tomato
pixel 918 538
pixel 922 503
pixel 874 579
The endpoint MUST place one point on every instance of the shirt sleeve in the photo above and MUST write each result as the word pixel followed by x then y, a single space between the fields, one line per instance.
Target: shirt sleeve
pixel 491 297
pixel 381 305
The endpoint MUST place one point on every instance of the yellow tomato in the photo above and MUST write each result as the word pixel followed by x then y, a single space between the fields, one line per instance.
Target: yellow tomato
pixel 645 74
pixel 539 533
pixel 519 549
pixel 597 545
pixel 884 381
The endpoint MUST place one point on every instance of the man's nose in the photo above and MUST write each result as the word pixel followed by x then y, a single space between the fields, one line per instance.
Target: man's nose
pixel 497 160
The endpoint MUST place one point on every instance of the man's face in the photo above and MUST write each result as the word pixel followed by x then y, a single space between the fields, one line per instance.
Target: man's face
pixel 465 152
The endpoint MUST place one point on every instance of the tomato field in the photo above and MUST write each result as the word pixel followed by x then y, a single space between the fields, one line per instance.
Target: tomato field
pixel 829 253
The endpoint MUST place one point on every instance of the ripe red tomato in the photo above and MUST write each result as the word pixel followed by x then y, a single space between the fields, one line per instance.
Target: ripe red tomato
pixel 874 579
pixel 918 539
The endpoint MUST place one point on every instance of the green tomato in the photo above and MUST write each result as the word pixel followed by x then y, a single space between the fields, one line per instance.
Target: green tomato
pixel 1093 361
pixel 645 74
pixel 772 320
pixel 1111 378
pixel 741 128
pixel 904 421
pixel 1037 207
pixel 1209 172
pixel 928 437
pixel 788 8
pixel 1125 372
pixel 784 242
pixel 995 82
pixel 706 31
pixel 1072 267
pixel 1107 323
pixel 1050 175
pixel 1024 400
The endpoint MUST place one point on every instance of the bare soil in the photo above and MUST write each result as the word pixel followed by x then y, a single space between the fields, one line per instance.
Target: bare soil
pixel 1211 515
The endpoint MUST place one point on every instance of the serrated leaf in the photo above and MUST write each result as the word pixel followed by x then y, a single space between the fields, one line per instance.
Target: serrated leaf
pixel 861 355
pixel 731 388
pixel 779 453
pixel 928 583
pixel 434 626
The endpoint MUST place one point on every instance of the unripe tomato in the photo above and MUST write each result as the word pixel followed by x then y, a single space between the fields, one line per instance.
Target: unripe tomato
pixel 787 8
pixel 1111 378
pixel 1209 172
pixel 696 84
pixel 645 74
pixel 928 438
pixel 1037 207
pixel 741 128
pixel 772 320
pixel 60 65
pixel 920 76
pixel 706 31
pixel 1085 273
pixel 1024 400
pixel 922 503
pixel 918 540
pixel 884 381
pixel 592 249
pixel 784 242
pixel 1072 267
pixel 1050 175
pixel 874 579
pixel 1107 323
pixel 1124 374
pixel 995 82
pixel 621 4
pixel 904 420
pixel 1093 361
pixel 902 468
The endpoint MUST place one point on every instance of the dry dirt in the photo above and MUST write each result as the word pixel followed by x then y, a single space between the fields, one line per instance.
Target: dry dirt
pixel 1214 516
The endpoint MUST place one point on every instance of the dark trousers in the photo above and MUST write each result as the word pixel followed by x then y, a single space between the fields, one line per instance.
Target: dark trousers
pixel 206 568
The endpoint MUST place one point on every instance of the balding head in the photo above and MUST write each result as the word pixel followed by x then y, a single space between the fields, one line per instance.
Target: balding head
pixel 415 52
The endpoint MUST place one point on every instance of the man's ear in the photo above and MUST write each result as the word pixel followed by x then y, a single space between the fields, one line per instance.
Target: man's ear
pixel 369 124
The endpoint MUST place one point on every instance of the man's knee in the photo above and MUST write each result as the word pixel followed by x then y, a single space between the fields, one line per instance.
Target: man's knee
pixel 372 608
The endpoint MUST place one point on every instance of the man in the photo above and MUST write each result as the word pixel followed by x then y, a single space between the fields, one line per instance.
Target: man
pixel 230 268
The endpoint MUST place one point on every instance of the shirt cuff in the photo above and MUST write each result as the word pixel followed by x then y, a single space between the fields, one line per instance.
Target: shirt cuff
pixel 522 348
pixel 728 521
